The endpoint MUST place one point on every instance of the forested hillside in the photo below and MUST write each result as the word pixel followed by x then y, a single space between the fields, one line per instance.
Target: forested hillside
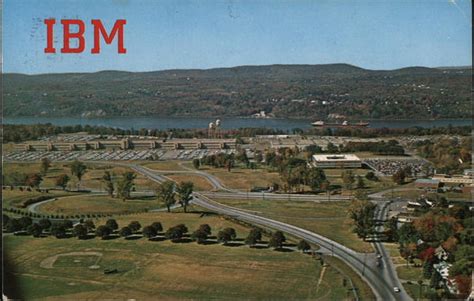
pixel 298 91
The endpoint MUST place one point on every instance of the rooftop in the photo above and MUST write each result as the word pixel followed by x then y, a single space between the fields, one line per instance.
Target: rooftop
pixel 335 157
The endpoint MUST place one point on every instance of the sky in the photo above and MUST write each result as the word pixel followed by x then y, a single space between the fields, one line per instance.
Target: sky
pixel 202 34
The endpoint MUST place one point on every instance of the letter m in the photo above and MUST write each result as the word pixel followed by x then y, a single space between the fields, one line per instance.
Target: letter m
pixel 99 30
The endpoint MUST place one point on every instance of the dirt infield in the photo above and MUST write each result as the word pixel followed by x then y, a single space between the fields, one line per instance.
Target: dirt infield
pixel 48 263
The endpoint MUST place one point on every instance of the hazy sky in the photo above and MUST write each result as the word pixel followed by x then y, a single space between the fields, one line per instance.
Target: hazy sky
pixel 374 34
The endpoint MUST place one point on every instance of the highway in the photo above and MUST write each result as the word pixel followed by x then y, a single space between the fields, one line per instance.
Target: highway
pixel 387 267
pixel 382 280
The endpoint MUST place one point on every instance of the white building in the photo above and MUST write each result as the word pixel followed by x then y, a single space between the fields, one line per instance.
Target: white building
pixel 337 161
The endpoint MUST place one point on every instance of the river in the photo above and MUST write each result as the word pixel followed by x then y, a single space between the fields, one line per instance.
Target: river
pixel 227 123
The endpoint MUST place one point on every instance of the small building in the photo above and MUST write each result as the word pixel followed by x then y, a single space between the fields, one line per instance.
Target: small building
pixel 428 184
pixel 337 161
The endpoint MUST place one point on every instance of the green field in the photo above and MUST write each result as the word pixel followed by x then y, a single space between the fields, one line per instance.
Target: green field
pixel 243 178
pixel 165 165
pixel 200 182
pixel 166 270
pixel 326 218
pixel 15 198
pixel 91 203
pixel 92 179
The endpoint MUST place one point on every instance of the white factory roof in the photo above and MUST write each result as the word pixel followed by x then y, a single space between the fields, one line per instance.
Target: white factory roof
pixel 335 157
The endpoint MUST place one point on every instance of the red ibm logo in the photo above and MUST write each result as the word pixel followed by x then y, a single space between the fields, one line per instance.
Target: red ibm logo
pixel 99 31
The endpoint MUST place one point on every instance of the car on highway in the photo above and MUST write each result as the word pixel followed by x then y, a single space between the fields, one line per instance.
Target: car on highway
pixel 396 289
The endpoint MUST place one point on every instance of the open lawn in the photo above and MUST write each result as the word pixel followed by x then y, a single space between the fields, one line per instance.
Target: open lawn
pixel 200 182
pixel 326 218
pixel 243 178
pixel 92 179
pixel 165 165
pixel 15 198
pixel 93 203
pixel 162 269
pixel 410 273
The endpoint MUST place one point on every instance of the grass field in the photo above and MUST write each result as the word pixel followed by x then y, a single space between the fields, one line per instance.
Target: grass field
pixel 15 198
pixel 326 218
pixel 165 270
pixel 92 179
pixel 243 178
pixel 165 165
pixel 84 204
pixel 200 182
pixel 410 273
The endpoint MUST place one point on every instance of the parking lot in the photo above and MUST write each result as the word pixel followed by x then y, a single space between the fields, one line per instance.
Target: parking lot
pixel 113 155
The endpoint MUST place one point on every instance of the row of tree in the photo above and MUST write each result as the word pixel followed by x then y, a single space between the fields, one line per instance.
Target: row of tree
pixel 176 233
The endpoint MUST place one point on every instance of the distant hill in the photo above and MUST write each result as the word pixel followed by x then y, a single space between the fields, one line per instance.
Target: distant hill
pixel 297 91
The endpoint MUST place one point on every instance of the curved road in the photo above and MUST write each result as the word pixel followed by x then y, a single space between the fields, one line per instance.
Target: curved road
pixel 382 282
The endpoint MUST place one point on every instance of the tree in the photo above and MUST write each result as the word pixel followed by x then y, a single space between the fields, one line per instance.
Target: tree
pixel 78 169
pixel 399 176
pixel 58 230
pixel 13 225
pixel 44 224
pixel 109 184
pixel 103 231
pixel 362 214
pixel 125 185
pixel 360 182
pixel 277 240
pixel 89 224
pixel 67 224
pixel 391 229
pixel 427 269
pixel 435 279
pixel 407 234
pixel 199 235
pixel 242 157
pixel 254 236
pixel 62 181
pixel 185 193
pixel 149 232
pixel 165 193
pixel 231 231
pixel 80 231
pixel 33 180
pixel 315 177
pixel 125 231
pixel 112 224
pixel 463 283
pixel 45 165
pixel 134 226
pixel 371 176
pixel 348 178
pixel 34 230
pixel 331 148
pixel 5 219
pixel 196 163
pixel 175 233
pixel 24 222
pixel 205 228
pixel 157 226
pixel 304 246
pixel 224 237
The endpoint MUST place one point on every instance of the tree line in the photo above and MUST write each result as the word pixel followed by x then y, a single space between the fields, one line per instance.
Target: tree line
pixel 87 229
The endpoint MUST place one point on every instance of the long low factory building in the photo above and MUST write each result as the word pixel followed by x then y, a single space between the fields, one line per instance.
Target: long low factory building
pixel 337 161
pixel 127 143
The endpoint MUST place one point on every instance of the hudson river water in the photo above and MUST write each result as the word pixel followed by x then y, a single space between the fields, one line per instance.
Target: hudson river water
pixel 227 123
